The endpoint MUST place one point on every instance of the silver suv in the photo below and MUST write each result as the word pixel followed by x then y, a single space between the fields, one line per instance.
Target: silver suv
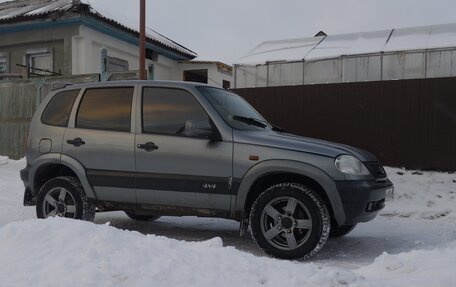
pixel 154 148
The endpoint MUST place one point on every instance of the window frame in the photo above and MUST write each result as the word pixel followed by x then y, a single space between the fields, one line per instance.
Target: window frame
pixel 5 57
pixel 141 106
pixel 34 53
pixel 84 91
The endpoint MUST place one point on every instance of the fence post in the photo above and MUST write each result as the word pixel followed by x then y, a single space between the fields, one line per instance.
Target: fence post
pixel 103 63
pixel 38 83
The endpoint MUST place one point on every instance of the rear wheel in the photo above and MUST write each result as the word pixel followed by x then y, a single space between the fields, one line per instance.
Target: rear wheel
pixel 339 231
pixel 135 216
pixel 64 197
pixel 290 221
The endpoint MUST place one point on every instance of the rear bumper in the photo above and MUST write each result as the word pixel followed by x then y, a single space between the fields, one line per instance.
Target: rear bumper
pixel 29 198
pixel 25 175
pixel 362 199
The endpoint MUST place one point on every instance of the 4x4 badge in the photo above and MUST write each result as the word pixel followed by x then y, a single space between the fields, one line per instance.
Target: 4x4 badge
pixel 209 185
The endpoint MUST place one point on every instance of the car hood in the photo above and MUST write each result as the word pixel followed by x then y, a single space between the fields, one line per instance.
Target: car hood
pixel 299 143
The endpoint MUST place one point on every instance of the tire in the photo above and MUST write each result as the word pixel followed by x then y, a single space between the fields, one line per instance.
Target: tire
pixel 135 216
pixel 290 221
pixel 339 231
pixel 64 197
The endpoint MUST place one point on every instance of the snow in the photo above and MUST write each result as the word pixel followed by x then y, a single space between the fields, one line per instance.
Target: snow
pixel 411 243
pixel 419 38
pixel 295 49
pixel 334 46
pixel 373 42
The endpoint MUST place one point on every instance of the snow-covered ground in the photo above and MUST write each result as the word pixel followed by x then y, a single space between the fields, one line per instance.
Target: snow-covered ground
pixel 411 243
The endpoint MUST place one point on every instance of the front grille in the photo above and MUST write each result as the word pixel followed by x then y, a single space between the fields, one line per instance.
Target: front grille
pixel 376 169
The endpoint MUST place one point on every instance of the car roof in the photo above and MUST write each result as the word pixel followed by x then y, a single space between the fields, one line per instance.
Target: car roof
pixel 180 84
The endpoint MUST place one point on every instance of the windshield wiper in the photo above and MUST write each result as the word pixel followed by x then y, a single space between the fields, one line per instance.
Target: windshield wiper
pixel 278 129
pixel 250 121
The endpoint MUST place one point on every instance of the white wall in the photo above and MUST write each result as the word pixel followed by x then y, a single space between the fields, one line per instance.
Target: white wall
pixel 86 54
pixel 215 77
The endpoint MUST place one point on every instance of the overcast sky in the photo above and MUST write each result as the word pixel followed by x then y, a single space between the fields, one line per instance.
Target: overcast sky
pixel 227 30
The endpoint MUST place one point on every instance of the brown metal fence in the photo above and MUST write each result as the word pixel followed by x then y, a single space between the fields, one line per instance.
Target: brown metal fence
pixel 410 123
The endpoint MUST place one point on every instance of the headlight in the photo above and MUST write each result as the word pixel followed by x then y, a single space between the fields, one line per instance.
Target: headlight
pixel 351 165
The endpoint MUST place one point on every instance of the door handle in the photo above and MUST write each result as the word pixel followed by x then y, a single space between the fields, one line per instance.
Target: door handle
pixel 77 142
pixel 149 146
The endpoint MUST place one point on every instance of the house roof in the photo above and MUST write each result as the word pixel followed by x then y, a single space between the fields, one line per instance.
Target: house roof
pixel 21 10
pixel 333 46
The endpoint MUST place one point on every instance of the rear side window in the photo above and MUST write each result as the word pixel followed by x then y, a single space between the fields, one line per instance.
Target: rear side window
pixel 106 109
pixel 57 111
pixel 165 111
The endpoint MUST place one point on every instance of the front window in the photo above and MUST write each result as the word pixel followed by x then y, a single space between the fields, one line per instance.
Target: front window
pixel 166 111
pixel 234 110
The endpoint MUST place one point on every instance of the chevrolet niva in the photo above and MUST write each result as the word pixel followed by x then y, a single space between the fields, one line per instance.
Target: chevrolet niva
pixel 153 148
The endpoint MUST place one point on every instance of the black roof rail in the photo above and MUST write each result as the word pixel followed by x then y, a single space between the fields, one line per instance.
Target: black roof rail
pixel 58 86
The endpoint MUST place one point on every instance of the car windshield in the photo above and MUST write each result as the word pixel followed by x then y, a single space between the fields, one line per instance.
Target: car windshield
pixel 234 110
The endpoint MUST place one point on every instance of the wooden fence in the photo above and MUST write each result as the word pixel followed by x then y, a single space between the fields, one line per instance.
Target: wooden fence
pixel 20 98
pixel 410 123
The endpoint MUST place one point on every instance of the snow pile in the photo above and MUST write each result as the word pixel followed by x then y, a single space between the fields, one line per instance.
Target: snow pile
pixel 415 268
pixel 12 192
pixel 63 252
pixel 421 194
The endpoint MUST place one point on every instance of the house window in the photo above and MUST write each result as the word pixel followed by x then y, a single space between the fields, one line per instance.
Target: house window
pixel 226 84
pixel 4 67
pixel 39 61
pixel 116 65
pixel 199 76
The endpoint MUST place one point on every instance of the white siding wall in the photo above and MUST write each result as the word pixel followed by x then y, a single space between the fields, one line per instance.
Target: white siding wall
pixel 86 54
pixel 215 77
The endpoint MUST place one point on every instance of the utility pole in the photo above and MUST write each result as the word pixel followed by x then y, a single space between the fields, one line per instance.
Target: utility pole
pixel 142 39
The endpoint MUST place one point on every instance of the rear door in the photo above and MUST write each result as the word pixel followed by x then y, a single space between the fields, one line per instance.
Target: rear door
pixel 101 139
pixel 180 170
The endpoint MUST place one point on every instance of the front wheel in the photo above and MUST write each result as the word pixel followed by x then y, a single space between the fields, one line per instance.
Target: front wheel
pixel 64 197
pixel 290 221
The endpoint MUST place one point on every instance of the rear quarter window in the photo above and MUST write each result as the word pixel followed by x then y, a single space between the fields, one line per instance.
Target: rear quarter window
pixel 57 111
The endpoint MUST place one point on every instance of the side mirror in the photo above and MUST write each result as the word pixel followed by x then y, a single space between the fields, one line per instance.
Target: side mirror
pixel 200 129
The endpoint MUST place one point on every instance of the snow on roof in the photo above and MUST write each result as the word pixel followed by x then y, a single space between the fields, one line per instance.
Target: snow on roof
pixel 349 44
pixel 12 10
pixel 282 50
pixel 427 37
pixel 333 46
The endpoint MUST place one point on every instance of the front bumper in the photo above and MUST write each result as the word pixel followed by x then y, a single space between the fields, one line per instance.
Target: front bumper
pixel 363 199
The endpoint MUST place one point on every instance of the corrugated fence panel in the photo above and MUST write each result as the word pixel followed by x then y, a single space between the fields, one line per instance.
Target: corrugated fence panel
pixel 17 104
pixel 409 123
pixel 18 101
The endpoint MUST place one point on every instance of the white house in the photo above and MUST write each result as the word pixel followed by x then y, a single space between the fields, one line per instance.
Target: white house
pixel 71 37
